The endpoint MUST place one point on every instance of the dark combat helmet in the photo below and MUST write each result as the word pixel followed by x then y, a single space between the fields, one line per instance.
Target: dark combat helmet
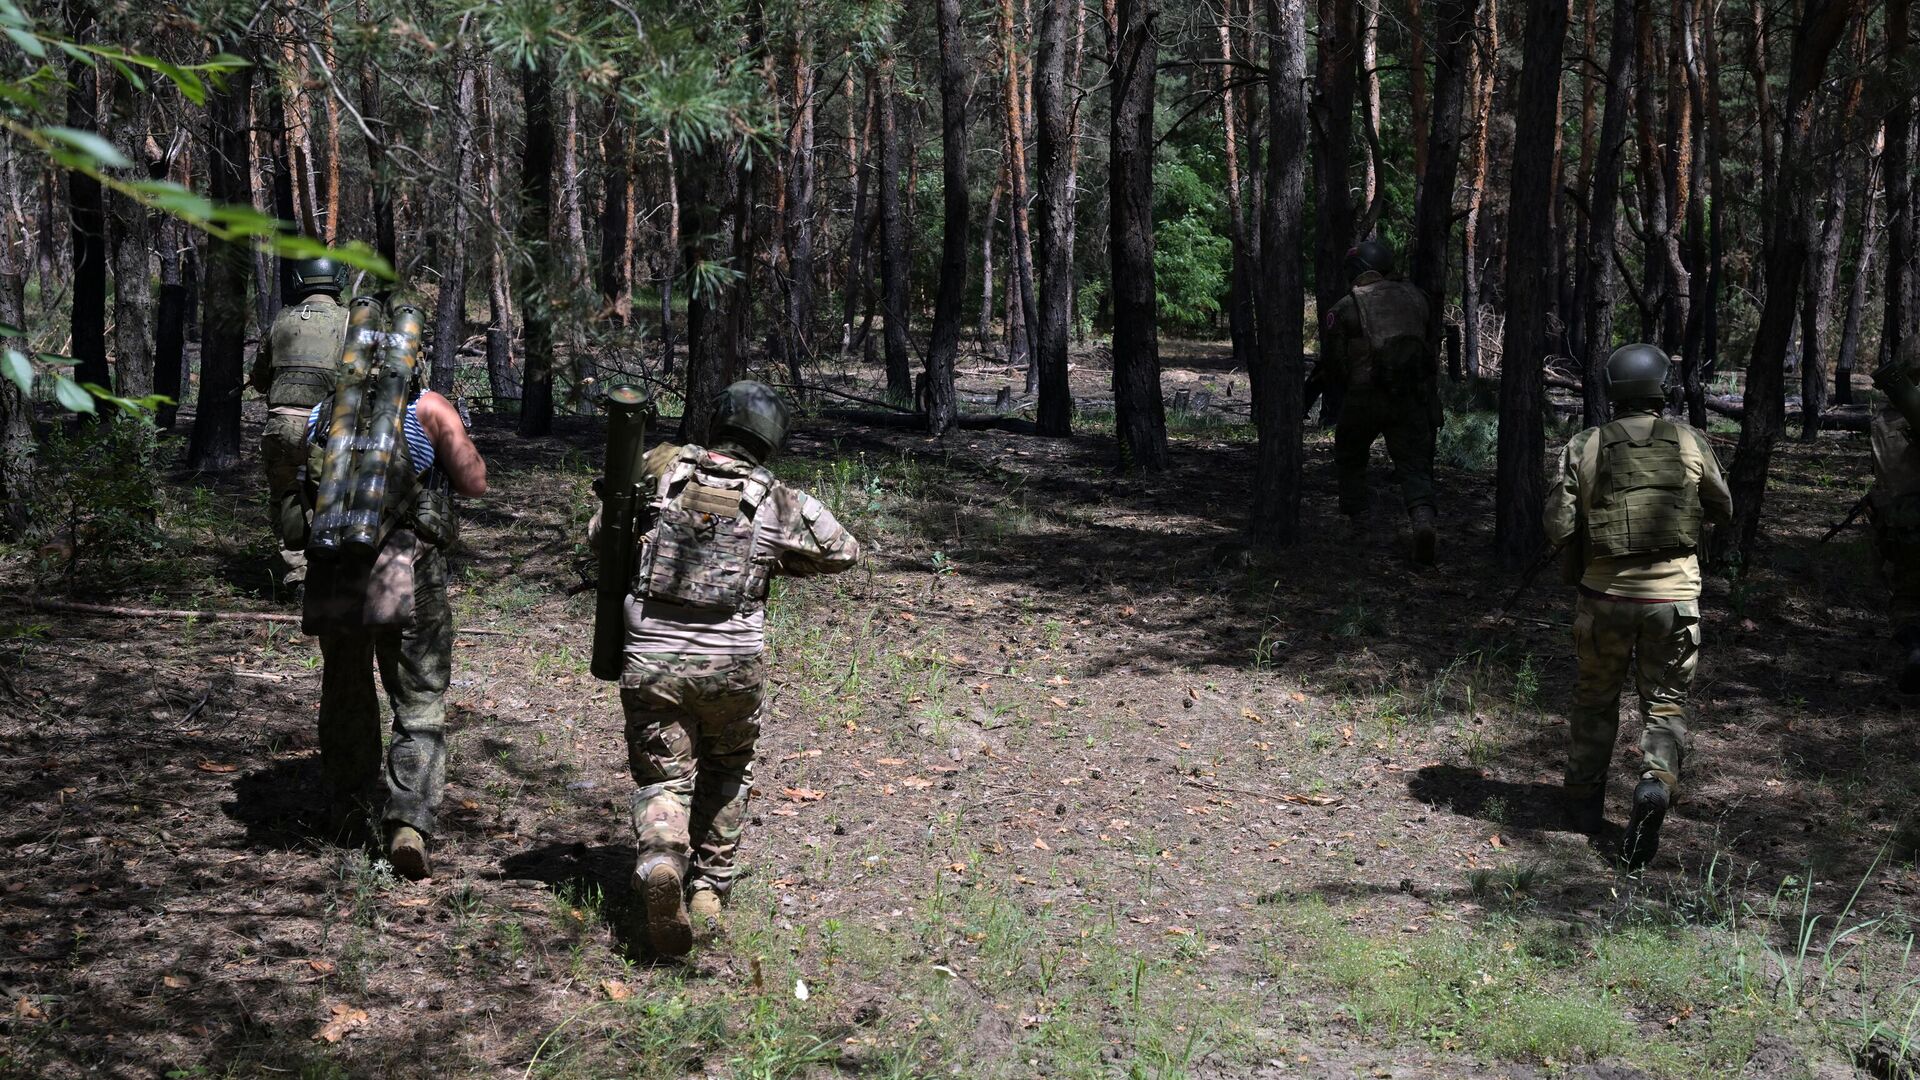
pixel 1636 371
pixel 750 416
pixel 1369 256
pixel 320 275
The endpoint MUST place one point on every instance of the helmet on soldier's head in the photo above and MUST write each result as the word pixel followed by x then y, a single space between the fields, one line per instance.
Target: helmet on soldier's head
pixel 750 416
pixel 320 275
pixel 1369 256
pixel 1636 371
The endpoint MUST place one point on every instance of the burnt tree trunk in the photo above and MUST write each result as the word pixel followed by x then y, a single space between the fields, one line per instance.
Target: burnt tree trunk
pixel 215 443
pixel 1278 375
pixel 1520 491
pixel 893 241
pixel 1903 209
pixel 1054 415
pixel 1849 351
pixel 1597 272
pixel 1433 213
pixel 1240 287
pixel 859 275
pixel 537 274
pixel 1821 23
pixel 612 271
pixel 942 409
pixel 1139 414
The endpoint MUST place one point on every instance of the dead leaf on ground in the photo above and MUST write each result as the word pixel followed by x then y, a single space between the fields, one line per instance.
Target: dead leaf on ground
pixel 801 794
pixel 1310 800
pixel 217 767
pixel 890 761
pixel 174 982
pixel 616 990
pixel 1041 844
pixel 1057 703
pixel 25 1009
pixel 1496 842
pixel 918 783
pixel 324 967
pixel 344 1019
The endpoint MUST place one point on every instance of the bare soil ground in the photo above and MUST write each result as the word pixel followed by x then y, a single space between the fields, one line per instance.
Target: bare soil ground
pixel 1064 781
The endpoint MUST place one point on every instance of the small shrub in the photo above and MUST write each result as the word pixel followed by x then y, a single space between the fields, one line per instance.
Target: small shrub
pixel 97 497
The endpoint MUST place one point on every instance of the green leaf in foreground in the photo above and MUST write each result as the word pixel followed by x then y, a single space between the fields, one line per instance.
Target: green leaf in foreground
pixel 72 395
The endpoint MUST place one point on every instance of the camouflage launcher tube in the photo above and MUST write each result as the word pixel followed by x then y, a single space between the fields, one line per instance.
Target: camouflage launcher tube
pixel 400 350
pixel 621 502
pixel 334 482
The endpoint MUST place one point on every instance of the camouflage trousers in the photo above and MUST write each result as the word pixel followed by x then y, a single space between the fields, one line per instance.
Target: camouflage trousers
pixel 415 663
pixel 283 450
pixel 1899 551
pixel 692 722
pixel 1661 643
pixel 1365 416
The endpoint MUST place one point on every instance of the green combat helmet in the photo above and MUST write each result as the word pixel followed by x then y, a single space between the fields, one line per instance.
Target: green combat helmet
pixel 749 416
pixel 1369 256
pixel 316 276
pixel 1635 372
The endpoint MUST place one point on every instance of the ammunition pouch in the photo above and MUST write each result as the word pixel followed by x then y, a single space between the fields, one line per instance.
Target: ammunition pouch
pixel 432 515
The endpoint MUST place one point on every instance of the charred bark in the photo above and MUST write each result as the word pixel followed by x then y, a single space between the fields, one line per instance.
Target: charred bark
pixel 1139 414
pixel 1277 377
pixel 537 275
pixel 942 350
pixel 1054 415
pixel 215 443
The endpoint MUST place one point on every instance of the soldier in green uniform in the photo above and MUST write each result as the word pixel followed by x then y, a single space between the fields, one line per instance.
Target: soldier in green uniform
pixel 694 685
pixel 295 367
pixel 1375 344
pixel 1629 507
pixel 1895 501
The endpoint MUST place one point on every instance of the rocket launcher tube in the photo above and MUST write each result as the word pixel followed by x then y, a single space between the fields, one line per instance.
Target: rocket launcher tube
pixel 621 504
pixel 360 529
pixel 356 359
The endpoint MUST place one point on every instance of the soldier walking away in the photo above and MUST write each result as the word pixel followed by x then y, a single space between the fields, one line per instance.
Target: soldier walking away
pixel 693 687
pixel 1374 343
pixel 388 609
pixel 1895 501
pixel 296 366
pixel 1629 507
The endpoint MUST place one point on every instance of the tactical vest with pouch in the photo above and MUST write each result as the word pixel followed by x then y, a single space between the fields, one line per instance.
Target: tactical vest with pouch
pixel 1644 497
pixel 701 554
pixel 1393 331
pixel 306 354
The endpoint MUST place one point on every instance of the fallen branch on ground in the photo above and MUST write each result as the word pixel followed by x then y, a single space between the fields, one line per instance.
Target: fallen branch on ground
pixel 117 612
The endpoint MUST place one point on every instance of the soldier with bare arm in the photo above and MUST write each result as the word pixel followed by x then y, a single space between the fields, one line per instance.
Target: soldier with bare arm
pixel 694 683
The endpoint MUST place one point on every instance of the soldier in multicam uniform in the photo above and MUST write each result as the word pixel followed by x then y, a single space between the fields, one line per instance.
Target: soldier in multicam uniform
pixel 1632 498
pixel 1895 501
pixel 1374 342
pixel 295 367
pixel 694 686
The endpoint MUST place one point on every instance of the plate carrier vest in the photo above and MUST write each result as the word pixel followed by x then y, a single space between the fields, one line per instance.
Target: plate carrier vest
pixel 1644 497
pixel 701 554
pixel 306 353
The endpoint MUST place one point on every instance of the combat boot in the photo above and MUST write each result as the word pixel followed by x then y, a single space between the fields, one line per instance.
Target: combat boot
pixel 407 850
pixel 1421 523
pixel 657 881
pixel 704 908
pixel 1586 811
pixel 1650 802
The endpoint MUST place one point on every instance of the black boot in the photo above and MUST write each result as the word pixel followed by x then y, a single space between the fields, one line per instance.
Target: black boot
pixel 1587 813
pixel 1650 800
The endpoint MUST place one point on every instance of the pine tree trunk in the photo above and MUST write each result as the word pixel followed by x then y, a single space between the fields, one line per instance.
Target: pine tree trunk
pixel 800 213
pixel 894 256
pixel 1334 87
pixel 86 220
pixel 859 275
pixel 1520 487
pixel 671 257
pixel 1484 57
pixel 1843 364
pixel 1277 379
pixel 1139 414
pixel 215 443
pixel 132 247
pixel 537 275
pixel 616 218
pixel 450 315
pixel 1433 213
pixel 1821 24
pixel 1823 256
pixel 380 187
pixel 942 408
pixel 1054 413
pixel 1903 208
pixel 16 408
pixel 1240 286
pixel 987 229
pixel 1020 248
pixel 1597 273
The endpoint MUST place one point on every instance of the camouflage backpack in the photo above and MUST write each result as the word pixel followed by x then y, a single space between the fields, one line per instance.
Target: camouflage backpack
pixel 701 554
